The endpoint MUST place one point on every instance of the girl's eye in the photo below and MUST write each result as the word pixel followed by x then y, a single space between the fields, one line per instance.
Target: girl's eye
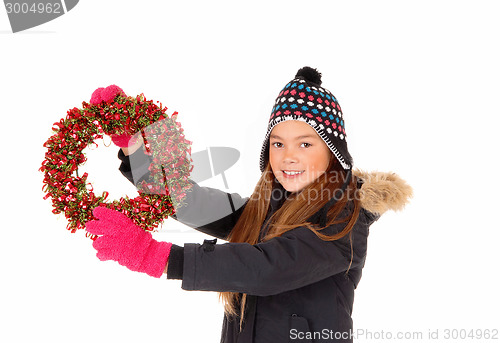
pixel 276 143
pixel 308 144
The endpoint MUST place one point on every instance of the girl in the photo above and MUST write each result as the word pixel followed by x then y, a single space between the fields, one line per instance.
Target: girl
pixel 296 247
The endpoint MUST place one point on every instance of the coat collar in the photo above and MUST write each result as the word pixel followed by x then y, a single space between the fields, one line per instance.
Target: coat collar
pixel 382 191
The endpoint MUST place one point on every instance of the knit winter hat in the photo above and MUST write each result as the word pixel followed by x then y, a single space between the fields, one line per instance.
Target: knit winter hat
pixel 304 99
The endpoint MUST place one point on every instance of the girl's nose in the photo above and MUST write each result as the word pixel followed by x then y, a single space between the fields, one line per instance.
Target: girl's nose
pixel 290 155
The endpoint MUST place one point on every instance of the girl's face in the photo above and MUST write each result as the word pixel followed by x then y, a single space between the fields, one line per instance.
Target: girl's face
pixel 297 155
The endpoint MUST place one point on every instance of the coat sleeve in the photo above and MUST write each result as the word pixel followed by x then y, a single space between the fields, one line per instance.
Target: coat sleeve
pixel 208 210
pixel 293 260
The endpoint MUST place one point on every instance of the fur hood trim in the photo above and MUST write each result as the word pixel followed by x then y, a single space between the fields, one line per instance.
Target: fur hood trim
pixel 383 191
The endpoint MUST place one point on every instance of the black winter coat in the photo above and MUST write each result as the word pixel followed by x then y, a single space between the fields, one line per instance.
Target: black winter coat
pixel 297 286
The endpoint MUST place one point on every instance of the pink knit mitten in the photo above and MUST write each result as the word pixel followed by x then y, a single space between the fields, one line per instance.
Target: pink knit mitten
pixel 123 140
pixel 123 241
pixel 108 95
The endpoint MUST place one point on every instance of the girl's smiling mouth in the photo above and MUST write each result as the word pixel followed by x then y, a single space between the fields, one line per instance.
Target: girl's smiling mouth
pixel 291 174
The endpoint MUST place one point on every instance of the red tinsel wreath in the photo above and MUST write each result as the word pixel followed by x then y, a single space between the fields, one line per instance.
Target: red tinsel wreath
pixel 111 112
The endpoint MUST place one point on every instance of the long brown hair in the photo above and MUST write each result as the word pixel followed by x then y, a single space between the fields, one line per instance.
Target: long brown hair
pixel 294 212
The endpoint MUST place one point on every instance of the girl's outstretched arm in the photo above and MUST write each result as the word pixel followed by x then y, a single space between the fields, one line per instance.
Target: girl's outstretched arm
pixel 293 260
pixel 208 210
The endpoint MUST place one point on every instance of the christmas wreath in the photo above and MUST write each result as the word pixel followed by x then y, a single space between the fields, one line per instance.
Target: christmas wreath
pixel 111 112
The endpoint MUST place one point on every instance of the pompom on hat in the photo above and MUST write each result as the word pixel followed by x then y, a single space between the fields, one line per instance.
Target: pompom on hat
pixel 304 99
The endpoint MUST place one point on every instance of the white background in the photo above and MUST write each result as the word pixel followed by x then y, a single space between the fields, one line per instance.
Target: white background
pixel 418 85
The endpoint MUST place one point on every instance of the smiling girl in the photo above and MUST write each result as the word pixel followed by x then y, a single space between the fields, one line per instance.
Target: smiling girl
pixel 295 248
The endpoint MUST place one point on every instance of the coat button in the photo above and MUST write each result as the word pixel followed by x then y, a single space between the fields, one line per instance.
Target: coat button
pixel 209 244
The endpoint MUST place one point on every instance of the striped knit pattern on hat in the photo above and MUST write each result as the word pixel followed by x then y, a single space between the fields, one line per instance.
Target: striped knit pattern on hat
pixel 304 99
